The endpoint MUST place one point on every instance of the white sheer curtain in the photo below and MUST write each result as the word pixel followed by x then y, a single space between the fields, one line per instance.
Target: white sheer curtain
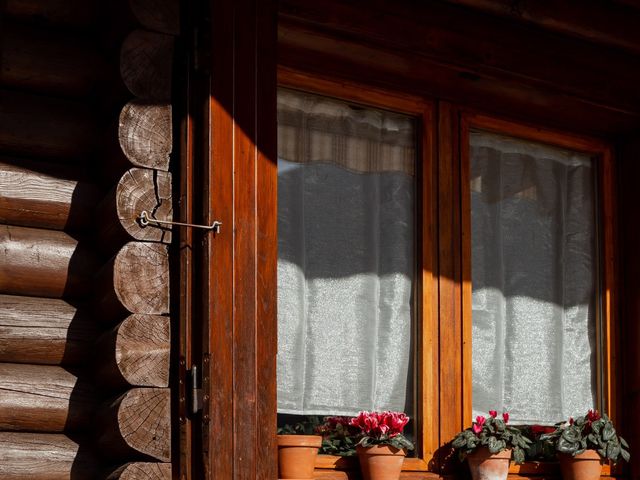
pixel 534 265
pixel 345 256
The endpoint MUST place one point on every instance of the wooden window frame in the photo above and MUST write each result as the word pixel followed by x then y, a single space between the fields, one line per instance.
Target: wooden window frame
pixel 608 328
pixel 427 365
pixel 444 312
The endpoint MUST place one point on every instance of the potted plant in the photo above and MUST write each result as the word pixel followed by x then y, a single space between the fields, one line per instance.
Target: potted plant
pixel 338 436
pixel 585 443
pixel 488 446
pixel 382 446
pixel 297 450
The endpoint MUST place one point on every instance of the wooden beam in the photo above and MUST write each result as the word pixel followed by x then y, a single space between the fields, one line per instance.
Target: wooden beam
pixel 39 398
pixel 142 471
pixel 604 23
pixel 146 64
pixel 43 263
pixel 135 353
pixel 41 126
pixel 118 215
pixel 40 456
pixel 43 331
pixel 73 13
pixel 136 280
pixel 137 424
pixel 317 51
pixel 41 195
pixel 48 61
pixel 485 46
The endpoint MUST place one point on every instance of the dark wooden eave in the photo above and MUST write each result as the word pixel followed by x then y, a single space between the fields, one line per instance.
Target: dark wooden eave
pixel 468 56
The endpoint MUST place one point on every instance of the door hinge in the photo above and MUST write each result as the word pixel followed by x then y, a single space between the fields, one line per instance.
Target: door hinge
pixel 196 389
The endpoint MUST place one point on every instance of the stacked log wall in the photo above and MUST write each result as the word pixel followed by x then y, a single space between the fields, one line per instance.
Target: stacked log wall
pixel 84 287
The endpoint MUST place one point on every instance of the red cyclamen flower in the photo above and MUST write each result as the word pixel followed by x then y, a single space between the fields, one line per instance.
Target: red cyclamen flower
pixel 493 413
pixel 477 425
pixel 593 415
pixel 505 417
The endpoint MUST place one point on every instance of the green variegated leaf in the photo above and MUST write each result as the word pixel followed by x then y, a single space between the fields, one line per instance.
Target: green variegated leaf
pixel 625 454
pixel 608 432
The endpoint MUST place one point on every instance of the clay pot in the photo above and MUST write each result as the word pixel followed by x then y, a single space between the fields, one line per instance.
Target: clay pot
pixel 585 466
pixel 380 462
pixel 485 465
pixel 297 455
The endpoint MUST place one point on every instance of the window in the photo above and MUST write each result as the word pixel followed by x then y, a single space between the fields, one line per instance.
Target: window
pixel 346 262
pixel 486 189
pixel 354 176
pixel 538 322
pixel 533 273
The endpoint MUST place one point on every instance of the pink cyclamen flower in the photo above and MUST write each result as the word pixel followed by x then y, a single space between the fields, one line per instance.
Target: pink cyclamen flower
pixel 480 420
pixel 505 417
pixel 493 413
pixel 477 425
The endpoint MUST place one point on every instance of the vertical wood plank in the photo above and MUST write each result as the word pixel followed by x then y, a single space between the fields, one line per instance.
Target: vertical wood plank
pixel 428 372
pixel 449 279
pixel 242 273
pixel 467 321
pixel 219 301
pixel 266 240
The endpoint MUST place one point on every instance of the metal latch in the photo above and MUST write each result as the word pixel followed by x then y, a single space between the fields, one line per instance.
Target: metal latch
pixel 145 220
pixel 196 390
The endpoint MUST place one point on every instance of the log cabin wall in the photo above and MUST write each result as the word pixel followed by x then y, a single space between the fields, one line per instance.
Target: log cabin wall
pixel 85 141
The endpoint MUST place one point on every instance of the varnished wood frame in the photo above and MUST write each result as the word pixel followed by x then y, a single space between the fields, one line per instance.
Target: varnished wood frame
pixel 609 328
pixel 428 345
pixel 239 263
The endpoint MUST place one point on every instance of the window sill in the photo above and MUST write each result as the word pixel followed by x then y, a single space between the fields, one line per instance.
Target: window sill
pixel 331 467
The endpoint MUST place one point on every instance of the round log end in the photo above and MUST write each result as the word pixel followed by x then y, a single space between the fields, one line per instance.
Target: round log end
pixel 145 134
pixel 144 421
pixel 142 471
pixel 145 190
pixel 142 350
pixel 141 277
pixel 146 61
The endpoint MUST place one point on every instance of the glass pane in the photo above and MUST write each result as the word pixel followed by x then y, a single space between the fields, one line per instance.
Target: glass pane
pixel 346 258
pixel 534 277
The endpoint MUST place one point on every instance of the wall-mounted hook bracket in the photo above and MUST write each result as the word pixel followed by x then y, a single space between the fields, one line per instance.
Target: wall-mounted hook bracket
pixel 145 221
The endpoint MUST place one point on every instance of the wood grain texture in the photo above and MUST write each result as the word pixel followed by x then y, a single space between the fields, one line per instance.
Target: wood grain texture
pixel 44 263
pixel 43 331
pixel 449 284
pixel 145 133
pixel 146 61
pixel 38 456
pixel 483 44
pixel 135 353
pixel 136 424
pixel 43 399
pixel 161 16
pixel 49 61
pixel 319 51
pixel 39 195
pixel 72 13
pixel 42 126
pixel 136 280
pixel 609 24
pixel 142 471
pixel 118 215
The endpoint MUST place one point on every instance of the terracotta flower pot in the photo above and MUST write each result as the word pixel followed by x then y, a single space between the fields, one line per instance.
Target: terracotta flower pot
pixel 485 465
pixel 380 462
pixel 297 455
pixel 585 466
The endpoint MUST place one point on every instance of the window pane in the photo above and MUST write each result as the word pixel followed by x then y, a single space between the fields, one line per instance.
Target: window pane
pixel 534 269
pixel 345 256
